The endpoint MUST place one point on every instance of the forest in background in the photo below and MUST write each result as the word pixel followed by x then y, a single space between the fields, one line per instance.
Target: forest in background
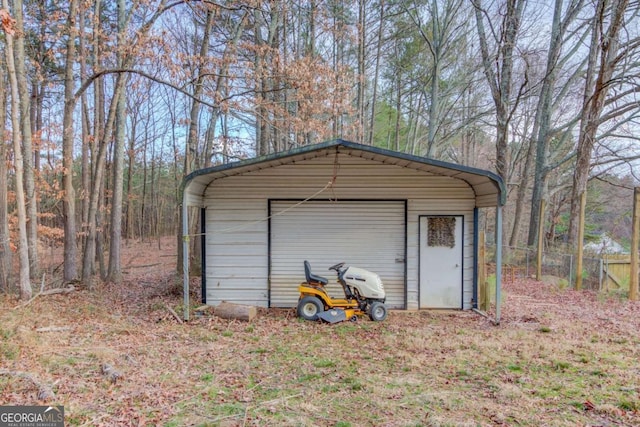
pixel 106 105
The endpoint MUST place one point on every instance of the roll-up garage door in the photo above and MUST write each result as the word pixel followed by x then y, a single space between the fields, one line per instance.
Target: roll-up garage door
pixel 365 234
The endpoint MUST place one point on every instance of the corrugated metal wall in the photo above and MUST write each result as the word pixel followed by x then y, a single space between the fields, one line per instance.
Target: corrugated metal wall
pixel 365 234
pixel 237 212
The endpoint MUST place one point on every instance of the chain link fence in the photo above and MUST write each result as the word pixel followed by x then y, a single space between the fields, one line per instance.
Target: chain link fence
pixel 520 263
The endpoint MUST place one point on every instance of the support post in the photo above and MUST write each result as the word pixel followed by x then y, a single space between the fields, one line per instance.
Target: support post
pixel 185 256
pixel 635 240
pixel 580 241
pixel 482 273
pixel 600 273
pixel 571 270
pixel 540 240
pixel 476 264
pixel 498 261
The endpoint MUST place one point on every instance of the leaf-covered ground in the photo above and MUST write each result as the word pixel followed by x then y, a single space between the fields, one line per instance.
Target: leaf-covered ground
pixel 558 358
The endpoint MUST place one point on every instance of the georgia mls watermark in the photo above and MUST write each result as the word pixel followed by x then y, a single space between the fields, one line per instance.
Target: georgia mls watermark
pixel 31 416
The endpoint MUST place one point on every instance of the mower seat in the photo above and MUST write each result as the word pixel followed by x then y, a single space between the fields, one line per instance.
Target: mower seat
pixel 312 278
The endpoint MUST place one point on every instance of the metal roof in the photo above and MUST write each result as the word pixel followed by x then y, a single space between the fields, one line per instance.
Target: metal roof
pixel 487 186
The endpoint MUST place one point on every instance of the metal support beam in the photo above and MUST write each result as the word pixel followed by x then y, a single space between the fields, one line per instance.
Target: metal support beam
pixel 540 240
pixel 475 258
pixel 635 240
pixel 185 256
pixel 498 261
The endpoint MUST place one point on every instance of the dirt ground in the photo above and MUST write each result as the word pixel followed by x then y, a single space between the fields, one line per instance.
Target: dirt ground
pixel 117 356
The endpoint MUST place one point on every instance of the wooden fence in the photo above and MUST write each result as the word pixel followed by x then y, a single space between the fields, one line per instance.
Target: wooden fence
pixel 616 272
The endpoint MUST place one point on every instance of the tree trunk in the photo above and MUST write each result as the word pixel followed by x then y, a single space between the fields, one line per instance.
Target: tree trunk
pixel 5 248
pixel 27 140
pixel 374 97
pixel 23 250
pixel 99 171
pixel 361 82
pixel 114 273
pixel 99 238
pixel 521 195
pixel 131 159
pixel 70 271
pixel 86 130
pixel 93 246
pixel 145 225
pixel 396 135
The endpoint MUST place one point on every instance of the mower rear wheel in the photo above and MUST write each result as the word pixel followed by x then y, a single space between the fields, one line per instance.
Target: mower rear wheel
pixel 309 307
pixel 377 311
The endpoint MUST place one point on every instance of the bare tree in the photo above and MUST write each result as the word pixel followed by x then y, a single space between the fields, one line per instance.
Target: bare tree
pixel 441 33
pixel 114 273
pixel 70 270
pixel 606 54
pixel 23 250
pixel 375 82
pixel 542 127
pixel 500 78
pixel 27 140
pixel 5 249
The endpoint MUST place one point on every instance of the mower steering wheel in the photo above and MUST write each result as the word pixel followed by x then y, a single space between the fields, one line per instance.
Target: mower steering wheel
pixel 337 267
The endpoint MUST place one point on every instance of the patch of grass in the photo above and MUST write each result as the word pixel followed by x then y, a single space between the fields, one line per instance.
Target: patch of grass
pixel 619 340
pixel 544 329
pixel 309 377
pixel 353 384
pixel 514 368
pixel 462 373
pixel 578 404
pixel 324 363
pixel 156 306
pixel 563 284
pixel 345 329
pixel 330 388
pixel 227 334
pixel 561 366
pixel 229 409
pixel 6 334
pixel 628 405
pixel 9 351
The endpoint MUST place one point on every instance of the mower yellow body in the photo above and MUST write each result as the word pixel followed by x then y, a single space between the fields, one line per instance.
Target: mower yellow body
pixel 349 306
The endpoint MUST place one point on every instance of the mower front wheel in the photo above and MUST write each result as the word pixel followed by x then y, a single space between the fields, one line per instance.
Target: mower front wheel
pixel 309 307
pixel 377 311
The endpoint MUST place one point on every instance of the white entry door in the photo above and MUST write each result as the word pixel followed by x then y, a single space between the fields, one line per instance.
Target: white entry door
pixel 441 261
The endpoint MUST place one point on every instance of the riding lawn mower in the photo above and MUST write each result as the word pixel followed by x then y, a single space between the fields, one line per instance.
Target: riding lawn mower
pixel 363 290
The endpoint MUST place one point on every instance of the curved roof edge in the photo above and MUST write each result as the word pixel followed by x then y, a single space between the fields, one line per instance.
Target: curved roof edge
pixel 476 178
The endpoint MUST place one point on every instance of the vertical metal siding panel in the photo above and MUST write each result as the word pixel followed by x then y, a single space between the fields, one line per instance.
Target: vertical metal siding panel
pixel 236 252
pixel 363 234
